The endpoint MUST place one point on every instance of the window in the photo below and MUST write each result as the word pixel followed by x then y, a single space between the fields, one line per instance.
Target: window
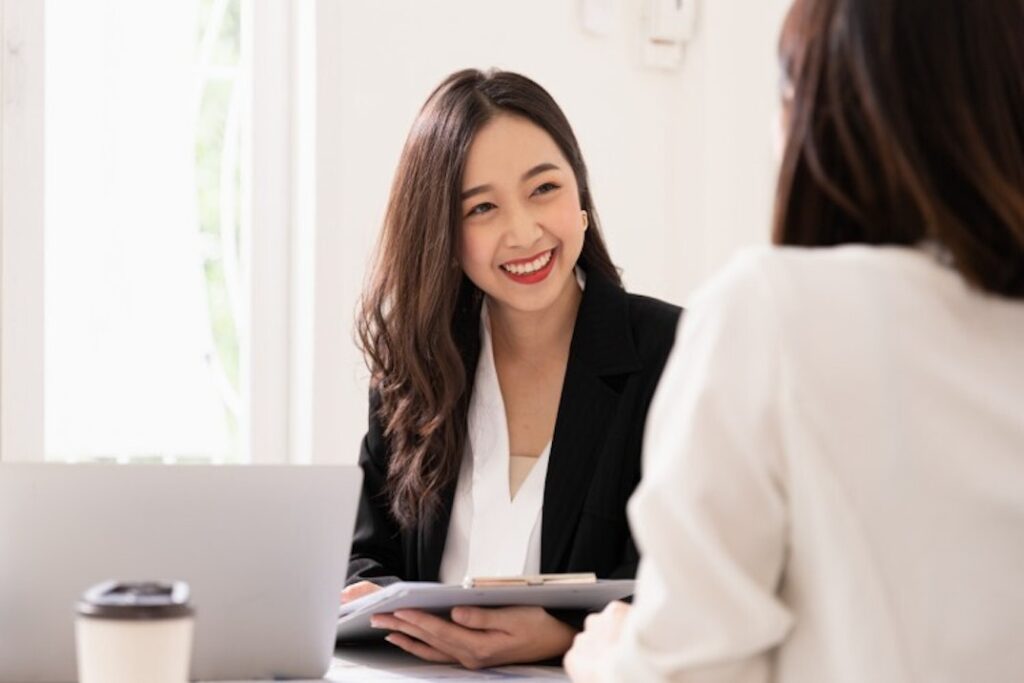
pixel 147 231
pixel 144 112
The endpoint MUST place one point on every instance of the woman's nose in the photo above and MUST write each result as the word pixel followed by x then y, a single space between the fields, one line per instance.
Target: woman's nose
pixel 523 229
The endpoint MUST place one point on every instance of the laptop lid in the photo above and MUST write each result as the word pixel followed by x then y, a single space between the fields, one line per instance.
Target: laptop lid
pixel 263 548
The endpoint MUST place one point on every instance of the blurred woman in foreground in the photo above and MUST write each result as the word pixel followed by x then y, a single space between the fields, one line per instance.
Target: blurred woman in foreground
pixel 834 467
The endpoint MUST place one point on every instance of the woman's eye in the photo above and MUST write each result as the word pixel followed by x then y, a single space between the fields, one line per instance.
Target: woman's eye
pixel 545 188
pixel 481 209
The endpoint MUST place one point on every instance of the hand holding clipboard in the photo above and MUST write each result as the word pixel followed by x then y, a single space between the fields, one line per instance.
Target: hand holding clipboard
pixel 553 591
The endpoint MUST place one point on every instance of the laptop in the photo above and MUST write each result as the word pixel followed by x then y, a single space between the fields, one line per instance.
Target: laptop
pixel 264 549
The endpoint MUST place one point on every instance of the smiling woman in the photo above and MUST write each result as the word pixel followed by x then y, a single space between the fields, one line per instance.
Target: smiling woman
pixel 511 373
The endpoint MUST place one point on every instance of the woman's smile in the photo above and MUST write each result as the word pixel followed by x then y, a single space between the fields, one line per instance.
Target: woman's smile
pixel 530 270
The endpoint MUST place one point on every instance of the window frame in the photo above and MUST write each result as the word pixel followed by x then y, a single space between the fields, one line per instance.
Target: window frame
pixel 21 241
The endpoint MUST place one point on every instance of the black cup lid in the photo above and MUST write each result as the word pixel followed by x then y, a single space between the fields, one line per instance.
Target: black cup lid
pixel 136 600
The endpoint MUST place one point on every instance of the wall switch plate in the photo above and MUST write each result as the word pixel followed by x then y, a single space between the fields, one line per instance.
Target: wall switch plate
pixel 667 26
pixel 598 16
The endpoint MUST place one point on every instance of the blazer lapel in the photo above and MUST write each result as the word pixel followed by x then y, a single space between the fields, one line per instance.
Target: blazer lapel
pixel 602 348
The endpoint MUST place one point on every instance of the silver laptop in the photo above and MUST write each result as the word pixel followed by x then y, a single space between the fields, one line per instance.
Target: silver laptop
pixel 263 548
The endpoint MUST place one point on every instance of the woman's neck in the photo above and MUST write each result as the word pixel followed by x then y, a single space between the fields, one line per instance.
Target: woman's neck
pixel 521 335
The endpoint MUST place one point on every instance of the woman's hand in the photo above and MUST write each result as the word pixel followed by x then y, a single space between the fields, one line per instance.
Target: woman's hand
pixel 358 590
pixel 478 637
pixel 601 631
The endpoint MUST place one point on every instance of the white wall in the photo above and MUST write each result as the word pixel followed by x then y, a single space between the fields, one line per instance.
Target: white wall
pixel 724 138
pixel 681 160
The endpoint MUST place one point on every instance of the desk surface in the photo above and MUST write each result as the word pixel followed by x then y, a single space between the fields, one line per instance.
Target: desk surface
pixel 374 663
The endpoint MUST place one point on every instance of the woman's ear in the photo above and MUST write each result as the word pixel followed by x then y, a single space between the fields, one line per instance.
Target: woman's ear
pixel 586 219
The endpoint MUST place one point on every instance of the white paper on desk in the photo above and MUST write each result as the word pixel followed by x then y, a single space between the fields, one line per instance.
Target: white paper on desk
pixel 349 673
pixel 439 598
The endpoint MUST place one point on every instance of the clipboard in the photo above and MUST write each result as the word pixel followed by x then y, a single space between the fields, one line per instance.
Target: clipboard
pixel 553 591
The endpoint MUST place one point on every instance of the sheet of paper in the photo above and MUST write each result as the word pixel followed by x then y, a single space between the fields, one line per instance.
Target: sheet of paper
pixel 386 663
pixel 375 663
pixel 348 673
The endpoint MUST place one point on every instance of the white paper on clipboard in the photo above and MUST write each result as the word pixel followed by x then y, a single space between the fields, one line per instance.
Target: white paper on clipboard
pixel 440 598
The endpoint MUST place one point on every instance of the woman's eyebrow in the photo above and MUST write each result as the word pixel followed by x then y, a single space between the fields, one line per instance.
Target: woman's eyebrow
pixel 536 170
pixel 466 194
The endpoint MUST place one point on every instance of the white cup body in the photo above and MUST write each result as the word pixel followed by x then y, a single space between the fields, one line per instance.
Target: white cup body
pixel 133 650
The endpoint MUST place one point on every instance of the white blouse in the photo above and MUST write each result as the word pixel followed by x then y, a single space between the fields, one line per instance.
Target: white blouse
pixel 491 532
pixel 834 480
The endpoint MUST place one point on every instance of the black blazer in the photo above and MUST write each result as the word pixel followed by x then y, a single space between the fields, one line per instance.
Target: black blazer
pixel 619 346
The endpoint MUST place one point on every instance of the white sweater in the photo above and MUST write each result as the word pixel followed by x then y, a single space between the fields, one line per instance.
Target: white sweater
pixel 834 479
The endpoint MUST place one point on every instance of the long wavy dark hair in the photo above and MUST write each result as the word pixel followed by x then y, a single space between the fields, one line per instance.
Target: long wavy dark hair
pixel 905 124
pixel 419 321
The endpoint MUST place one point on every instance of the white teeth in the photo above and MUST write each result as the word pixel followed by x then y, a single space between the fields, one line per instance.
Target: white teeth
pixel 531 267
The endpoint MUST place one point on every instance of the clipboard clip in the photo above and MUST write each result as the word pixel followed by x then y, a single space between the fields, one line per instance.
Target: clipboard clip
pixel 528 580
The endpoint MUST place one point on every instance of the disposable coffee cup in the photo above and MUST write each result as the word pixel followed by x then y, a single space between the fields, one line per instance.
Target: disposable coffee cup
pixel 134 633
